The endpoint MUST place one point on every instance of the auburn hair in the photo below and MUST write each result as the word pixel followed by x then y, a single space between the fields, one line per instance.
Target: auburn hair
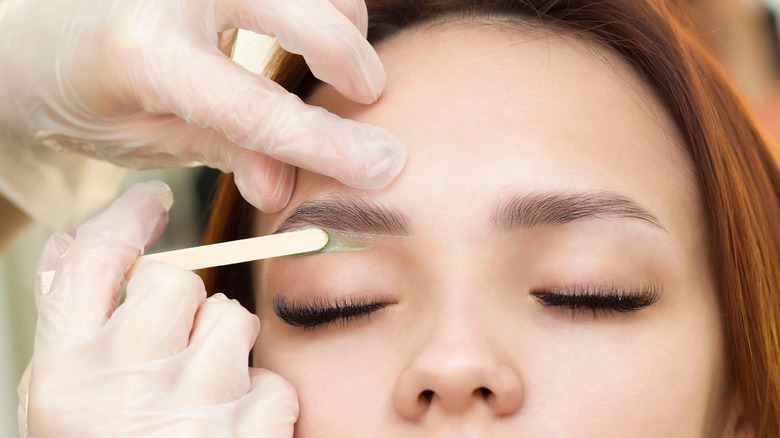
pixel 738 174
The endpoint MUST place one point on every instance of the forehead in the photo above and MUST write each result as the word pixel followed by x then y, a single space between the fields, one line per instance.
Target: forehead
pixel 488 111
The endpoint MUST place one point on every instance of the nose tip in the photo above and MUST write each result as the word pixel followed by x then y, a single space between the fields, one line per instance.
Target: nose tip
pixel 458 386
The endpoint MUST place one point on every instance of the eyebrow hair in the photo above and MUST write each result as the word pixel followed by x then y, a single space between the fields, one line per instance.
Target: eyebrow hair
pixel 348 215
pixel 559 208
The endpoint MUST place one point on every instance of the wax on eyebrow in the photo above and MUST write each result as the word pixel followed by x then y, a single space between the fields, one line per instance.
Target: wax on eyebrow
pixel 344 242
pixel 341 242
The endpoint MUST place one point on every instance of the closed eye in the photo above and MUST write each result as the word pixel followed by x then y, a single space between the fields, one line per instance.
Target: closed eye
pixel 598 300
pixel 313 314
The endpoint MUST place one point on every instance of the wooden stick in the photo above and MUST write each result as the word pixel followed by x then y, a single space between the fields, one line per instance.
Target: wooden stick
pixel 227 253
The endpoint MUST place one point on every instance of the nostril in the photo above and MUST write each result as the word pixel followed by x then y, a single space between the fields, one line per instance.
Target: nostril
pixel 426 396
pixel 484 392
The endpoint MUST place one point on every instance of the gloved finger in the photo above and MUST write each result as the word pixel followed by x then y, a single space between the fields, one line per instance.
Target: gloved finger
pixel 156 318
pixel 359 155
pixel 355 11
pixel 263 181
pixel 272 396
pixel 85 289
pixel 216 360
pixel 334 48
pixel 258 114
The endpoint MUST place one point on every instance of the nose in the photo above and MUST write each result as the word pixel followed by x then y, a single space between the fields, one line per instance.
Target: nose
pixel 455 373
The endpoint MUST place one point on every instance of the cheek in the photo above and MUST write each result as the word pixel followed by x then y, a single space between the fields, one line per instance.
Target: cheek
pixel 344 382
pixel 664 376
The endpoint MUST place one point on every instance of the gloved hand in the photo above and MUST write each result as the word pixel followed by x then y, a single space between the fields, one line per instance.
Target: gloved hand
pixel 107 78
pixel 165 363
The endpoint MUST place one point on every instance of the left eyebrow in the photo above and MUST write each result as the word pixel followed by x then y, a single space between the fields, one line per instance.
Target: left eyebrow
pixel 348 215
pixel 559 208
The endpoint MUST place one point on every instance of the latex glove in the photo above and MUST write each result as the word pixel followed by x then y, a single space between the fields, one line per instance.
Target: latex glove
pixel 105 77
pixel 164 363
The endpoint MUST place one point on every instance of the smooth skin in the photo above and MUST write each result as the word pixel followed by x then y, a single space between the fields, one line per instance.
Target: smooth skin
pixel 489 113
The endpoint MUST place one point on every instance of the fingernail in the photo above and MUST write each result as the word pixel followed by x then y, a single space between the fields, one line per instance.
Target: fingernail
pixel 161 192
pixel 278 186
pixel 217 297
pixel 166 199
pixel 384 159
pixel 62 242
pixel 374 72
pixel 249 193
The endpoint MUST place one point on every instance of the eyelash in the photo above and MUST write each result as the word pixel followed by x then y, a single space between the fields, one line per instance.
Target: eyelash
pixel 598 300
pixel 317 314
pixel 602 300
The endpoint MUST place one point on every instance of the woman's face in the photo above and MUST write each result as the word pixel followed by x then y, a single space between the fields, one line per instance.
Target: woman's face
pixel 540 267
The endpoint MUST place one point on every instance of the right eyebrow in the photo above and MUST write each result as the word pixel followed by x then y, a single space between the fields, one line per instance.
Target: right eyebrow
pixel 347 215
pixel 559 208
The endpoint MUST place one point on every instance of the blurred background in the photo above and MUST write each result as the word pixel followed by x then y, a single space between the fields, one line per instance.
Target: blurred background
pixel 743 34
